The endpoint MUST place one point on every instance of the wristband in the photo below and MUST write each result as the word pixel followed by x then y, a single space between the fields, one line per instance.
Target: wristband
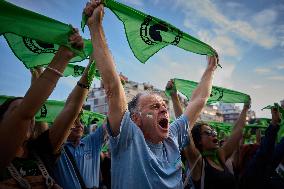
pixel 55 71
pixel 83 85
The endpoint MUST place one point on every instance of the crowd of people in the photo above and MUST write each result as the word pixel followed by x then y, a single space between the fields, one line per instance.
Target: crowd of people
pixel 145 149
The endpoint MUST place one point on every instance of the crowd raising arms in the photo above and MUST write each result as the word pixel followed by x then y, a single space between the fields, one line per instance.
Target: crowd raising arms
pixel 18 117
pixel 140 133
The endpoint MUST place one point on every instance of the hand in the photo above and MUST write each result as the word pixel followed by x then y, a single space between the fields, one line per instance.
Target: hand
pixel 170 86
pixel 76 42
pixel 94 10
pixel 275 116
pixel 36 72
pixel 248 104
pixel 212 62
pixel 123 79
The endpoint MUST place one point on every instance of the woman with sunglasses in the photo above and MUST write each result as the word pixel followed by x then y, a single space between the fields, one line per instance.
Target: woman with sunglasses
pixel 207 159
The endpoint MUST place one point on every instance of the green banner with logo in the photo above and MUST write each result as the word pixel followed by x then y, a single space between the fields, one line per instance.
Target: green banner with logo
pixel 51 108
pixel 32 25
pixel 146 34
pixel 218 94
pixel 34 53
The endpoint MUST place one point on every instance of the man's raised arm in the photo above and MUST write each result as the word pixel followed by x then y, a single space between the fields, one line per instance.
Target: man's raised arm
pixel 106 66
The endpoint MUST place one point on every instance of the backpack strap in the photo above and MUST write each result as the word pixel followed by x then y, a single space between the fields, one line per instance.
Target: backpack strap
pixel 72 160
pixel 20 180
pixel 49 181
pixel 188 175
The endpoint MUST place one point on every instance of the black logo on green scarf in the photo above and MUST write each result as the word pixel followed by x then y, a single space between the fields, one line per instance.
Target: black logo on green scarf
pixel 38 47
pixel 43 111
pixel 78 70
pixel 216 94
pixel 150 32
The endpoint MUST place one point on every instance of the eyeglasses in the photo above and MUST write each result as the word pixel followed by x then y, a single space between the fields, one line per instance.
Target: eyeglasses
pixel 212 133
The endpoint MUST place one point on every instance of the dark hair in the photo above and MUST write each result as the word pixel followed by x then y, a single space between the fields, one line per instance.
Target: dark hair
pixel 4 107
pixel 196 134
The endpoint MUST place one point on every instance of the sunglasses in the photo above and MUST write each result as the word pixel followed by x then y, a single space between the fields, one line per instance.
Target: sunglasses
pixel 212 133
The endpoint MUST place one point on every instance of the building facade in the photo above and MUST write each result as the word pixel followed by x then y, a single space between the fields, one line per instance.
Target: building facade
pixel 97 100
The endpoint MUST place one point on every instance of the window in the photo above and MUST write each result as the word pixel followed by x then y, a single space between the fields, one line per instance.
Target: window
pixel 87 107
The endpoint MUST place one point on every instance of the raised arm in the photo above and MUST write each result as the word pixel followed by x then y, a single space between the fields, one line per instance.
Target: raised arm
pixel 278 153
pixel 260 164
pixel 174 96
pixel 64 121
pixel 202 92
pixel 18 122
pixel 198 99
pixel 106 66
pixel 232 143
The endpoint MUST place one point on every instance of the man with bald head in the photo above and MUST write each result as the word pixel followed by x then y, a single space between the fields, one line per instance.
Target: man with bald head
pixel 145 148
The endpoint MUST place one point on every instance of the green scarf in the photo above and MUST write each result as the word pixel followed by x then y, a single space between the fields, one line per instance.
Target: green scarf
pixel 51 108
pixel 32 25
pixel 146 34
pixel 33 53
pixel 218 94
pixel 280 134
pixel 213 154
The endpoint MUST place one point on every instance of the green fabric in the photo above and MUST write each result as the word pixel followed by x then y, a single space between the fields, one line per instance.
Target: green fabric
pixel 280 134
pixel 260 123
pixel 221 127
pixel 76 70
pixel 83 21
pixel 218 94
pixel 51 108
pixel 93 72
pixel 213 154
pixel 73 70
pixel 29 24
pixel 104 148
pixel 3 98
pixel 49 111
pixel 226 128
pixel 89 118
pixel 146 34
pixel 34 53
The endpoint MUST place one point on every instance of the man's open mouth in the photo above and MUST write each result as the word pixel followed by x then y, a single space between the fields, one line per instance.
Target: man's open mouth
pixel 164 123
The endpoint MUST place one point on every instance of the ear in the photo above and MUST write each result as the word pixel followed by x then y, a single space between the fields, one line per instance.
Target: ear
pixel 136 118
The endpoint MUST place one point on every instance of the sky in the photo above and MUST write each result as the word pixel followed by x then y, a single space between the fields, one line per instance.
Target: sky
pixel 248 36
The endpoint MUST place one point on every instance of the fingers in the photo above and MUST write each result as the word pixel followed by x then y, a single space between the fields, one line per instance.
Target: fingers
pixel 39 70
pixel 170 84
pixel 90 6
pixel 77 43
pixel 76 40
pixel 212 62
pixel 95 3
pixel 88 10
pixel 248 104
